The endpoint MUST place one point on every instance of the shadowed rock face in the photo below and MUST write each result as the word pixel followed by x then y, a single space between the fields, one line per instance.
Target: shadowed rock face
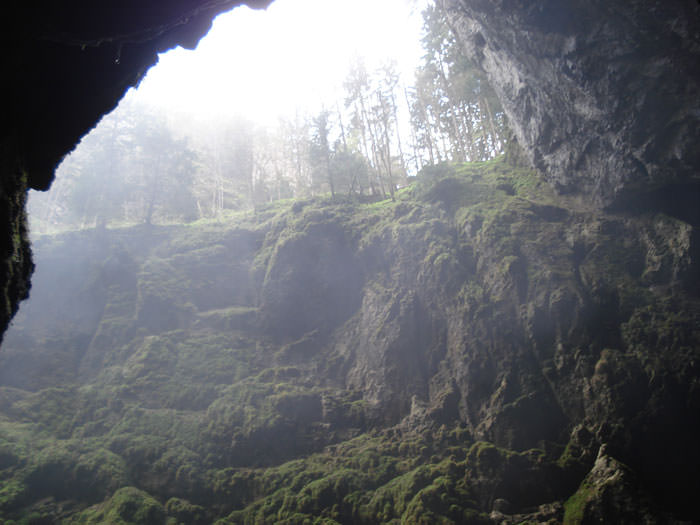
pixel 603 95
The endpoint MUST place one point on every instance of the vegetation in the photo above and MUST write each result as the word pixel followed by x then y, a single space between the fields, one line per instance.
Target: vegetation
pixel 177 392
pixel 140 166
pixel 214 371
pixel 331 322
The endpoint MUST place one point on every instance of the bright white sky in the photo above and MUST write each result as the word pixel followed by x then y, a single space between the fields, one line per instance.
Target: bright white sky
pixel 295 54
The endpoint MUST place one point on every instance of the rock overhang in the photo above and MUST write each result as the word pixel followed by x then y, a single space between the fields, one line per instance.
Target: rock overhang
pixel 603 96
pixel 71 62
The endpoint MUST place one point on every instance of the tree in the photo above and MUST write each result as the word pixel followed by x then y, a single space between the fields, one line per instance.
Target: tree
pixel 350 171
pixel 455 112
pixel 296 146
pixel 357 100
pixel 166 167
pixel 371 100
pixel 320 152
pixel 129 169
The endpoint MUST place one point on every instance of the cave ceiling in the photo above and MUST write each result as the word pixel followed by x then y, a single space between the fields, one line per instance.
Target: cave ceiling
pixel 68 63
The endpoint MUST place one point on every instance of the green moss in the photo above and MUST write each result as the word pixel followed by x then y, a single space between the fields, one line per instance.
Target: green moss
pixel 569 456
pixel 181 391
pixel 11 494
pixel 364 480
pixel 575 506
pixel 485 454
pixel 128 506
pixel 182 511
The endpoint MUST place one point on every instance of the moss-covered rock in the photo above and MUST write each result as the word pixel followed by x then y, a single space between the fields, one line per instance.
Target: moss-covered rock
pixel 16 264
pixel 457 355
pixel 128 506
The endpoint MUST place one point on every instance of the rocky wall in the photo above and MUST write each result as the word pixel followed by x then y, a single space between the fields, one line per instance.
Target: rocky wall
pixel 482 350
pixel 603 95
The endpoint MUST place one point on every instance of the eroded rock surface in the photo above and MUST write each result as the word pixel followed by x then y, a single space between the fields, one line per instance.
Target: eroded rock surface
pixel 461 354
pixel 604 96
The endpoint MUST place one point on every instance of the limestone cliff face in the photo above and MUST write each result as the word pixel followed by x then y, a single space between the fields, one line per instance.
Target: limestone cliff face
pixel 603 95
pixel 480 350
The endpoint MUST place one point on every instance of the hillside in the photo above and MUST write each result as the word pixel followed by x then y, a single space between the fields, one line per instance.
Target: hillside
pixel 480 350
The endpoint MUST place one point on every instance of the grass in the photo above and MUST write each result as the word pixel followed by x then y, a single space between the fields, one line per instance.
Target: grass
pixel 575 506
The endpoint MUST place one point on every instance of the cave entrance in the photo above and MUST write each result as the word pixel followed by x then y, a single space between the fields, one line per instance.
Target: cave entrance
pixel 248 117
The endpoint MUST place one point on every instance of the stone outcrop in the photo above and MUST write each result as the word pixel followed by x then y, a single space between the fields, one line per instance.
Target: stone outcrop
pixel 467 349
pixel 604 96
pixel 609 494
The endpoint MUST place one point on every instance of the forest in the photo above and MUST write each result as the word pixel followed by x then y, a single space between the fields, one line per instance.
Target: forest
pixel 140 165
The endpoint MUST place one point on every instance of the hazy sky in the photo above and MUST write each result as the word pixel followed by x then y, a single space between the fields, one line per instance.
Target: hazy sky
pixel 263 63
